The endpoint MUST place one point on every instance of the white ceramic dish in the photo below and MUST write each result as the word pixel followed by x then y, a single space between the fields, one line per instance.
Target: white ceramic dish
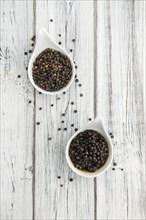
pixel 44 41
pixel 97 125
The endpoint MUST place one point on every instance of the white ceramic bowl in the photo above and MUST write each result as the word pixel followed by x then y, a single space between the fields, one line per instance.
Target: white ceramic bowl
pixel 45 41
pixel 98 126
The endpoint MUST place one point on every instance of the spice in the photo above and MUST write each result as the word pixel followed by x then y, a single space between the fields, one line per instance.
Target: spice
pixel 64 92
pixel 52 70
pixel 38 123
pixel 88 151
pixel 40 93
pixel 71 179
pixel 114 164
pixel 81 95
pixel 25 53
pixel 113 168
pixel 76 80
pixel 72 103
pixel 59 129
pixel 75 111
pixel 51 20
pixel 73 40
pixel 33 38
pixel 72 125
pixel 62 121
pixel 40 108
pixel 65 129
pixel 30 51
pixel 76 129
pixel 63 114
pixel 76 67
pixel 61 185
pixel 29 101
pixel 80 85
pixel 71 50
pixel 49 138
pixel 26 68
pixel 59 42
pixel 19 76
pixel 52 105
pixel 90 119
pixel 59 177
pixel 59 35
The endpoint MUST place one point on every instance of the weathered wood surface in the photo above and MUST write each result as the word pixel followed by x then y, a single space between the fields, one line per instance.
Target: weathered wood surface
pixel 109 52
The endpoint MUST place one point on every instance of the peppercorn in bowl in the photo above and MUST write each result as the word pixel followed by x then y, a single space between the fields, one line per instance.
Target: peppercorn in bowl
pixel 51 70
pixel 89 152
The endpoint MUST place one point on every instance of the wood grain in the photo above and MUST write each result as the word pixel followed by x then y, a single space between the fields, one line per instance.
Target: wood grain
pixel 71 20
pixel 109 51
pixel 16 112
pixel 120 75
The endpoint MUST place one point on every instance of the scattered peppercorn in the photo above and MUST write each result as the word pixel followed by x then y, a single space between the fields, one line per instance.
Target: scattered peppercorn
pixel 63 114
pixel 64 92
pixel 113 168
pixel 75 111
pixel 40 93
pixel 38 123
pixel 59 35
pixel 73 40
pixel 40 108
pixel 30 51
pixel 62 121
pixel 76 80
pixel 121 169
pixel 71 179
pixel 114 164
pixel 25 53
pixel 19 76
pixel 49 138
pixel 59 177
pixel 59 129
pixel 51 20
pixel 81 95
pixel 76 67
pixel 52 70
pixel 52 105
pixel 80 85
pixel 29 101
pixel 72 125
pixel 112 136
pixel 72 103
pixel 33 38
pixel 32 44
pixel 26 68
pixel 61 185
pixel 71 50
pixel 76 129
pixel 88 151
pixel 65 129
pixel 58 98
pixel 90 119
pixel 59 42
pixel 75 75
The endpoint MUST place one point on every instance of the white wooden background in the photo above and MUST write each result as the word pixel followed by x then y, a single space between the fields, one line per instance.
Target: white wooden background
pixel 110 53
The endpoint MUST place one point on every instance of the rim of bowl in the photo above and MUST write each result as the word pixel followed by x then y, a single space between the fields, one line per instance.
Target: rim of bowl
pixel 49 92
pixel 101 170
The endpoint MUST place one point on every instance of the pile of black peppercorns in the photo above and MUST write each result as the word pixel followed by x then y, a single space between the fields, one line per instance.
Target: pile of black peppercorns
pixel 88 151
pixel 52 70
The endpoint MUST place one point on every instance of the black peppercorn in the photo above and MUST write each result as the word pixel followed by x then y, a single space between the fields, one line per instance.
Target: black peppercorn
pixel 86 151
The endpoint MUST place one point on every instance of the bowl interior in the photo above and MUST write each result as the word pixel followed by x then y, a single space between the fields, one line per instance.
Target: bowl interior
pixel 39 48
pixel 100 170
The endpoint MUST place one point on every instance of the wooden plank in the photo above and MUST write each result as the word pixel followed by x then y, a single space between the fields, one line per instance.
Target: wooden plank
pixel 120 87
pixel 75 200
pixel 16 112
